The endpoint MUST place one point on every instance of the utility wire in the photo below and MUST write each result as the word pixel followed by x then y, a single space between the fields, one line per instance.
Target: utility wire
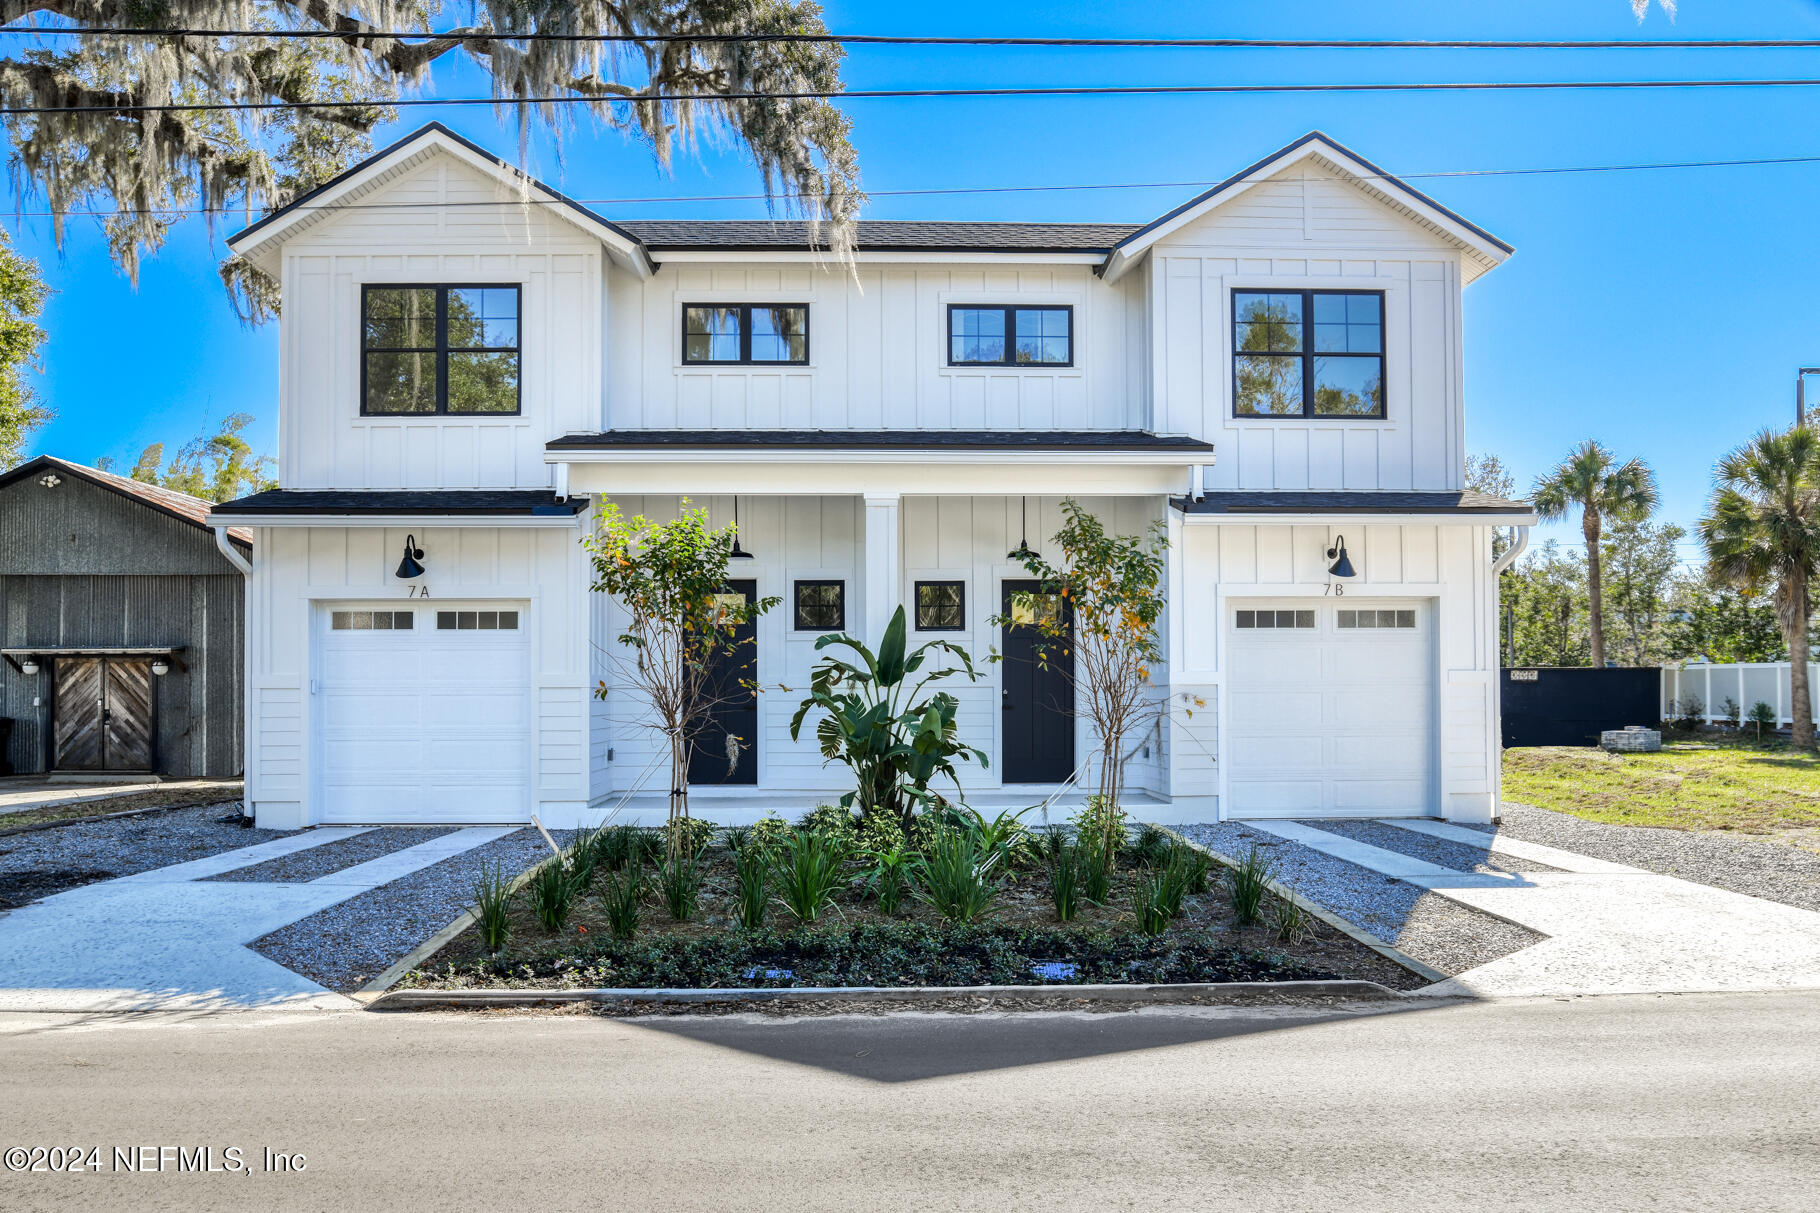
pixel 933 191
pixel 487 35
pixel 1104 90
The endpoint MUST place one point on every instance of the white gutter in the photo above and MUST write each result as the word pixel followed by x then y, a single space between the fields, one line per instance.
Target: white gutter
pixel 918 456
pixel 1518 543
pixel 232 553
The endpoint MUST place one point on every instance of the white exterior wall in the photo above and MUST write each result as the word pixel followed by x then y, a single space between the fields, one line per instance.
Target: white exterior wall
pixel 878 356
pixel 1450 565
pixel 323 439
pixel 297 569
pixel 1304 229
pixel 941 538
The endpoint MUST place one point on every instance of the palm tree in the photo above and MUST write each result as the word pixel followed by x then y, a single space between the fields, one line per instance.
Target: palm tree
pixel 1593 481
pixel 1762 526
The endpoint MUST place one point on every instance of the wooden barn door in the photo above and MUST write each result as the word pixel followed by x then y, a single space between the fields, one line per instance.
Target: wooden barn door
pixel 104 714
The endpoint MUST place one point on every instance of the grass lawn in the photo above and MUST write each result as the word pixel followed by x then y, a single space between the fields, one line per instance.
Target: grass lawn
pixel 1715 782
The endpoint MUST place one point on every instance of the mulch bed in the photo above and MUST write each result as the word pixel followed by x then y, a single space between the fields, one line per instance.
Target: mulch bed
pixel 1018 942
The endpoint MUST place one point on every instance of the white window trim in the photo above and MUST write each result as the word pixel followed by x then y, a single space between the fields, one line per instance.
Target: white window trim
pixel 680 299
pixel 798 636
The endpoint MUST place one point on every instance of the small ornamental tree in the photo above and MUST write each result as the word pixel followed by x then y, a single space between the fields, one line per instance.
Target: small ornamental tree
pixel 1111 591
pixel 671 580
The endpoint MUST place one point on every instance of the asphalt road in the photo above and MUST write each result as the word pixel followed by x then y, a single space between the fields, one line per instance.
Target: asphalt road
pixel 1660 1103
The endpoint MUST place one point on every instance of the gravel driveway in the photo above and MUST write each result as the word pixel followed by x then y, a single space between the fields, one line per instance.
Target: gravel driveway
pixel 1438 932
pixel 43 862
pixel 352 942
pixel 1756 867
pixel 332 857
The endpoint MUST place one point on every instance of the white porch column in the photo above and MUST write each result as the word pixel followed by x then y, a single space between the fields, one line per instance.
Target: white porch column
pixel 884 562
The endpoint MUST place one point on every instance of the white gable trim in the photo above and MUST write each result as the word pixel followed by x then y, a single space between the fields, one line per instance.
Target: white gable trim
pixel 261 242
pixel 1482 250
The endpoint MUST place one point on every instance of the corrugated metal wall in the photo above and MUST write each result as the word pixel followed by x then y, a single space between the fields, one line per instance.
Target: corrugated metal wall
pixel 81 565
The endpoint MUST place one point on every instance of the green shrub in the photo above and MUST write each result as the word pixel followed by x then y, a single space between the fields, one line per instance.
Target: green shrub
pixel 754 886
pixel 1100 825
pixel 622 898
pixel 1289 919
pixel 687 836
pixel 552 895
pixel 679 880
pixel 1064 863
pixel 888 875
pixel 615 847
pixel 770 832
pixel 737 838
pixel 832 820
pixel 1248 885
pixel 1151 850
pixel 492 901
pixel 807 872
pixel 650 845
pixel 1150 895
pixel 1761 715
pixel 956 878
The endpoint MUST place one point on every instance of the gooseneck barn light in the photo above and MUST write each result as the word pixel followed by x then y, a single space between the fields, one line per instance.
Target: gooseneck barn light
pixel 1342 565
pixel 738 553
pixel 411 566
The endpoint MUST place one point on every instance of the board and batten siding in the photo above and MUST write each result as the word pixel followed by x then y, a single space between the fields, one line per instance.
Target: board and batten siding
pixel 792 538
pixel 301 569
pixel 409 235
pixel 1307 230
pixel 1448 565
pixel 82 565
pixel 878 351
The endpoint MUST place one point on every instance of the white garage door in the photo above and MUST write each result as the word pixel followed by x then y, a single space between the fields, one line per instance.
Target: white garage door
pixel 1331 708
pixel 423 713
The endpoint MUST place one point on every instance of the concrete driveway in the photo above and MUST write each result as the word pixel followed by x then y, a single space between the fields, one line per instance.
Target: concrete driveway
pixel 168 939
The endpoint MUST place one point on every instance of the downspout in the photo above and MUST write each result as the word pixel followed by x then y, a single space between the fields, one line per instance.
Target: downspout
pixel 245 566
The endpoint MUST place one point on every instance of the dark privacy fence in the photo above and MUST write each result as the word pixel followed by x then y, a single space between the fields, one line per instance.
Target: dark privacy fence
pixel 1572 706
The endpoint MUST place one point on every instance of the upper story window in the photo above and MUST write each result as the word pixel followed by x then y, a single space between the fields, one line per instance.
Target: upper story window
pixel 1010 336
pixel 754 334
pixel 439 349
pixel 1308 353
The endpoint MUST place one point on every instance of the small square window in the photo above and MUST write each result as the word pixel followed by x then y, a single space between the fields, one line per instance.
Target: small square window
pixel 404 621
pixel 508 621
pixel 1248 619
pixel 821 606
pixel 941 606
pixel 1304 619
pixel 1349 619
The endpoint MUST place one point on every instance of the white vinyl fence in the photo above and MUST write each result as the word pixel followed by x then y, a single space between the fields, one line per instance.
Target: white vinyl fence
pixel 1747 682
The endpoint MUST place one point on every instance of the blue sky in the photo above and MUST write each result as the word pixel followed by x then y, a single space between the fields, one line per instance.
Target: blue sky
pixel 1661 312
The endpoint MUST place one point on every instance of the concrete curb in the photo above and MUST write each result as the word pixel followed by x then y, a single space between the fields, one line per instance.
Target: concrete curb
pixel 1327 916
pixel 1239 992
pixel 94 817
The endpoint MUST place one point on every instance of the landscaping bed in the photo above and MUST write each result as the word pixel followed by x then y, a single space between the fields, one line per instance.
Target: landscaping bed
pixel 1017 940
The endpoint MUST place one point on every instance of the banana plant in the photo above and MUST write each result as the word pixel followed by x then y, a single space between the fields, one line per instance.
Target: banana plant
pixel 877 719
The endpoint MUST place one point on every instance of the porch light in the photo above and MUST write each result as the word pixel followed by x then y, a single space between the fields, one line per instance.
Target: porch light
pixel 29 666
pixel 410 566
pixel 738 553
pixel 161 667
pixel 1341 566
pixel 1022 550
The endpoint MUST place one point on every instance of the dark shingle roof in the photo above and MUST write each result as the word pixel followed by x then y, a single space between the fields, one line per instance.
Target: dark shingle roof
pixel 905 440
pixel 402 501
pixel 1460 502
pixel 170 501
pixel 882 235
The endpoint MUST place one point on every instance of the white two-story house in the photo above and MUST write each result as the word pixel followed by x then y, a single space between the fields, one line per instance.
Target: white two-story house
pixel 472 363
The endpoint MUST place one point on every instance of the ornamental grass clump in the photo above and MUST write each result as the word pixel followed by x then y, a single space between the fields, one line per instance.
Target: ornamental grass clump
pixel 615 847
pixel 955 877
pixel 888 876
pixel 552 895
pixel 1151 850
pixel 754 886
pixel 492 903
pixel 679 880
pixel 1248 885
pixel 584 857
pixel 1150 899
pixel 1290 919
pixel 622 899
pixel 1065 865
pixel 807 871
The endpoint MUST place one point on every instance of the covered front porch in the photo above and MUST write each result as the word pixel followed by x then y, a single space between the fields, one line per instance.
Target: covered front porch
pixel 931 529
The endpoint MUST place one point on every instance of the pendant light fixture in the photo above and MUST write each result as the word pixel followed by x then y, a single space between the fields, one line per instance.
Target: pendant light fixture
pixel 1022 551
pixel 738 553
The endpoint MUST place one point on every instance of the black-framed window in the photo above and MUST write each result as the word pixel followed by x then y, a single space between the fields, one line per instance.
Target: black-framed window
pixel 1275 619
pixel 477 621
pixel 941 606
pixel 1010 336
pixel 1308 353
pixel 756 334
pixel 821 606
pixel 439 349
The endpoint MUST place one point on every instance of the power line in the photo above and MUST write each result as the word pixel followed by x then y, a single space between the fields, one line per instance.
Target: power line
pixel 932 191
pixel 1100 90
pixel 487 35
